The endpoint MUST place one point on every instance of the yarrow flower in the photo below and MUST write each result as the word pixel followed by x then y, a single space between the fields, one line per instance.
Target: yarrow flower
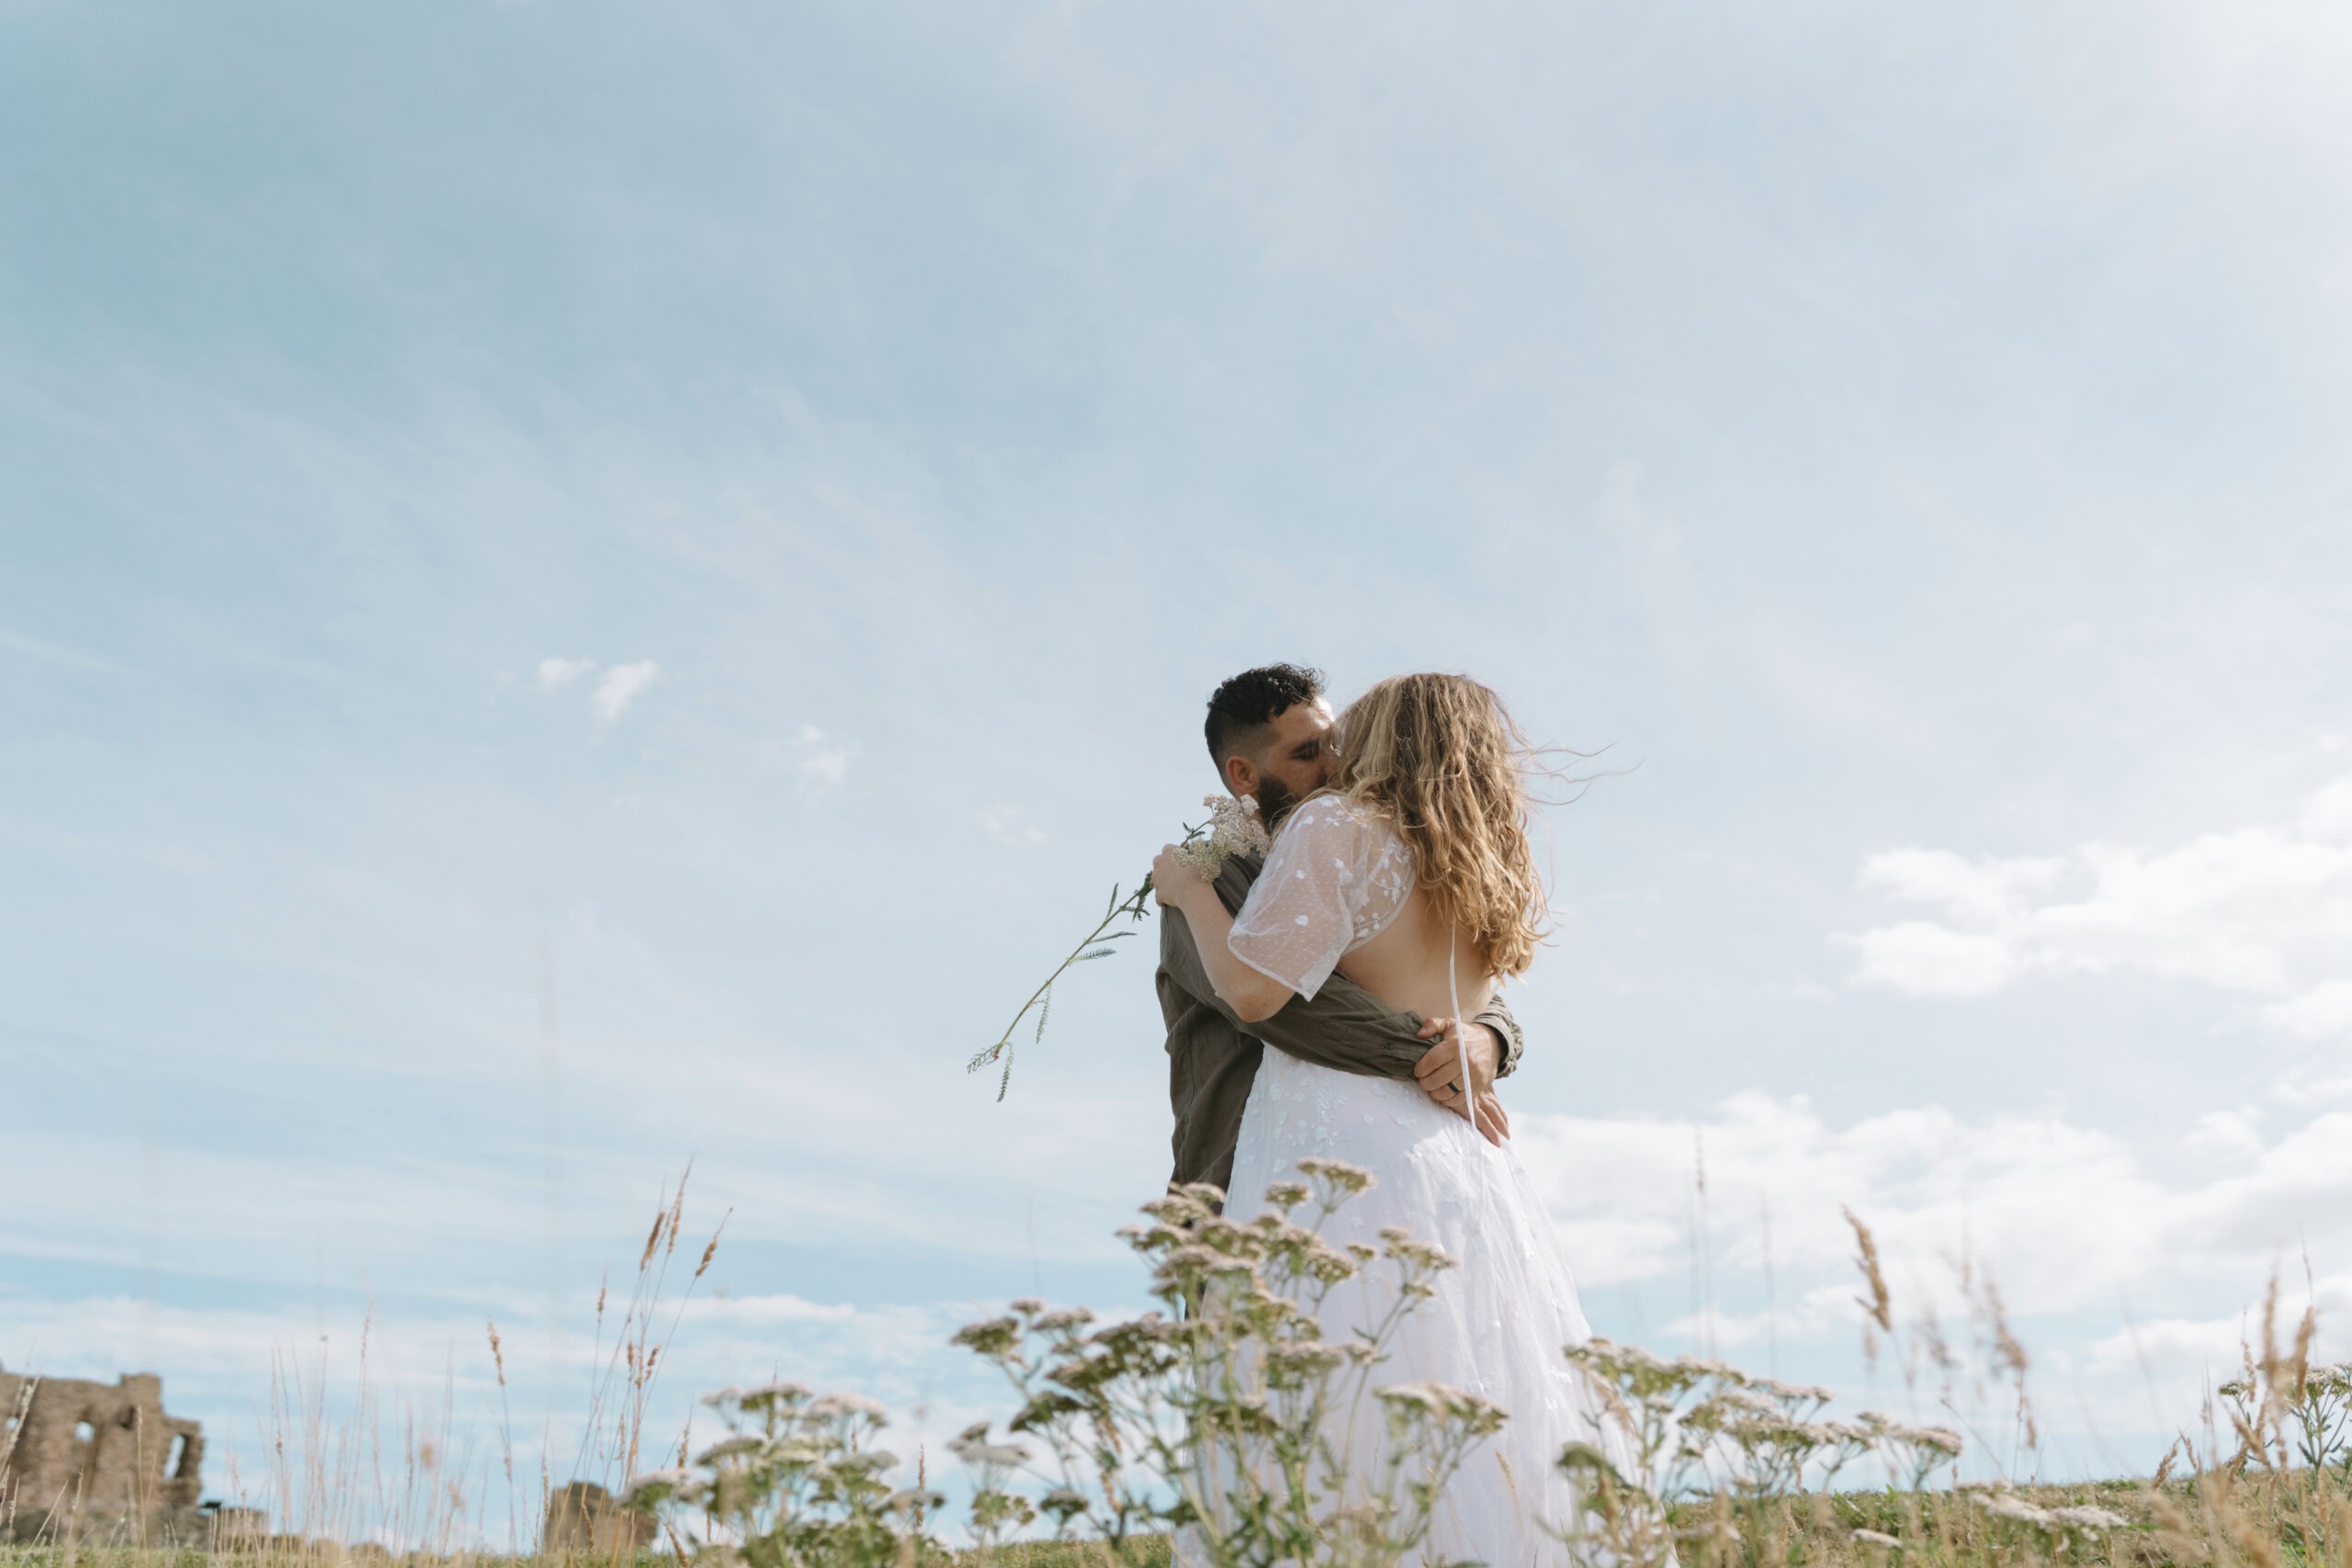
pixel 1407 1247
pixel 1116 1418
pixel 989 1337
pixel 2009 1505
pixel 729 1449
pixel 1307 1358
pixel 653 1488
pixel 1287 1195
pixel 972 1446
pixel 1443 1401
pixel 1233 829
pixel 767 1396
pixel 1338 1174
pixel 2088 1517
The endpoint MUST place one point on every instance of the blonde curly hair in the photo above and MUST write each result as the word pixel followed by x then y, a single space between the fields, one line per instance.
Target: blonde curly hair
pixel 1442 758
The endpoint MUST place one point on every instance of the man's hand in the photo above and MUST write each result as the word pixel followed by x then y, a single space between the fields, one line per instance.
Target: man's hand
pixel 1439 1073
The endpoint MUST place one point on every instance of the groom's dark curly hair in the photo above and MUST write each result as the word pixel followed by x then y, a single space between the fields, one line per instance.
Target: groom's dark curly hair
pixel 1241 708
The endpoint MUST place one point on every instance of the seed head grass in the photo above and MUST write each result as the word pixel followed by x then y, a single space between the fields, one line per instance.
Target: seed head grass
pixel 1739 1471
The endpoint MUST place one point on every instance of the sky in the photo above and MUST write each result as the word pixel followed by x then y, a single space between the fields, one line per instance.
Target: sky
pixel 588 586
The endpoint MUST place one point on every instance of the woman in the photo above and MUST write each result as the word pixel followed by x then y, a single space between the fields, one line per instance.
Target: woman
pixel 1413 876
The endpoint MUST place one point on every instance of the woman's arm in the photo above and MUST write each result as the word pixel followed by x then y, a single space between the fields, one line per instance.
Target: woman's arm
pixel 1252 996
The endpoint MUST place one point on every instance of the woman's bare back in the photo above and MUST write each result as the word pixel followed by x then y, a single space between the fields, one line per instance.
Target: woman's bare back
pixel 1405 965
pixel 1340 891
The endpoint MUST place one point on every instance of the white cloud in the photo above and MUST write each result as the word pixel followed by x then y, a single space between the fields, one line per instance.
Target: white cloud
pixel 2064 1213
pixel 2070 1223
pixel 2324 1010
pixel 819 761
pixel 2173 1345
pixel 1623 1190
pixel 2328 813
pixel 57 653
pixel 826 765
pixel 2183 1352
pixel 1929 960
pixel 2263 909
pixel 1003 824
pixel 622 685
pixel 1797 988
pixel 557 673
pixel 2230 1134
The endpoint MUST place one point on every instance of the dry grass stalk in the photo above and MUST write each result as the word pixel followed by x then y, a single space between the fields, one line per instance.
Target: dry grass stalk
pixel 2243 1501
pixel 1878 1307
pixel 351 1482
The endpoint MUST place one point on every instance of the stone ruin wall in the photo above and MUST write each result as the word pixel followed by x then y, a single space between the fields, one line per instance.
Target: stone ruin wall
pixel 93 1462
pixel 103 1459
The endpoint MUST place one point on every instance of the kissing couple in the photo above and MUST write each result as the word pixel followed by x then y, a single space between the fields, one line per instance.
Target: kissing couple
pixel 1314 1005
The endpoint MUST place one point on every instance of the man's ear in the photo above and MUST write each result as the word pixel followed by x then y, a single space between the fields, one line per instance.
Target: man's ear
pixel 1241 776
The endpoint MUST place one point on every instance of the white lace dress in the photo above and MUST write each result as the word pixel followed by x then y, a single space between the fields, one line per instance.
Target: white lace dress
pixel 1336 876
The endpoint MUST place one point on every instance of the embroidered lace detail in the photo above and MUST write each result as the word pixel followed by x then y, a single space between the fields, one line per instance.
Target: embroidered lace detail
pixel 1335 878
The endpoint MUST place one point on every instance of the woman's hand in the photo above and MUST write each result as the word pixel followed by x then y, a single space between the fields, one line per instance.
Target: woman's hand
pixel 1173 877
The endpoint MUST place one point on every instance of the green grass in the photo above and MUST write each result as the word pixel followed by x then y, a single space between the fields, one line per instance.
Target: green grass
pixel 1149 1552
pixel 2216 1521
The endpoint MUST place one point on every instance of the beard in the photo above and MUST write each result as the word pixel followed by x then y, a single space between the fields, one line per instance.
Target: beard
pixel 1275 801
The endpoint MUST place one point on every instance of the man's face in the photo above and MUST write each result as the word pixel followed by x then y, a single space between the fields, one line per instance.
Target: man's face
pixel 1303 757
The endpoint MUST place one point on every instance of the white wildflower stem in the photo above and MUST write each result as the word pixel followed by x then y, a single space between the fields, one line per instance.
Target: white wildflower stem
pixel 1095 945
pixel 1232 829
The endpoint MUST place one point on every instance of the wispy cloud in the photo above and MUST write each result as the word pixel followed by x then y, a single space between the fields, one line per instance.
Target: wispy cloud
pixel 2264 910
pixel 1003 824
pixel 819 762
pixel 56 653
pixel 557 673
pixel 622 685
pixel 827 764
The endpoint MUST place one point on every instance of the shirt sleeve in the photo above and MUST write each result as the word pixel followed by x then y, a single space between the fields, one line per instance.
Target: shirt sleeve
pixel 1301 917
pixel 1497 1017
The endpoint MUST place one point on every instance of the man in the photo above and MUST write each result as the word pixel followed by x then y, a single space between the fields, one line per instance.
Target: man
pixel 1269 734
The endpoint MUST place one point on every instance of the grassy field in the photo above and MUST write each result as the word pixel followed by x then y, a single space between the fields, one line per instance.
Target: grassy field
pixel 2294 1520
pixel 2272 1490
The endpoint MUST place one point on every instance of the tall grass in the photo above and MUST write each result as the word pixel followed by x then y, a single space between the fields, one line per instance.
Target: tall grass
pixel 345 1474
pixel 1738 1471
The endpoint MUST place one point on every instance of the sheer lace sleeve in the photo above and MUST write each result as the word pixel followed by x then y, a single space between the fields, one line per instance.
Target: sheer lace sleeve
pixel 1334 880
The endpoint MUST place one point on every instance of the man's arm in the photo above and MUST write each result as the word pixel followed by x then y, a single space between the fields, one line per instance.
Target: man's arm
pixel 1354 1032
pixel 1343 1026
pixel 1346 1028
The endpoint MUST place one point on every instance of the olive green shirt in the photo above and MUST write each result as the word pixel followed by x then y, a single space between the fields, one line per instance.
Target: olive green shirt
pixel 1213 1055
